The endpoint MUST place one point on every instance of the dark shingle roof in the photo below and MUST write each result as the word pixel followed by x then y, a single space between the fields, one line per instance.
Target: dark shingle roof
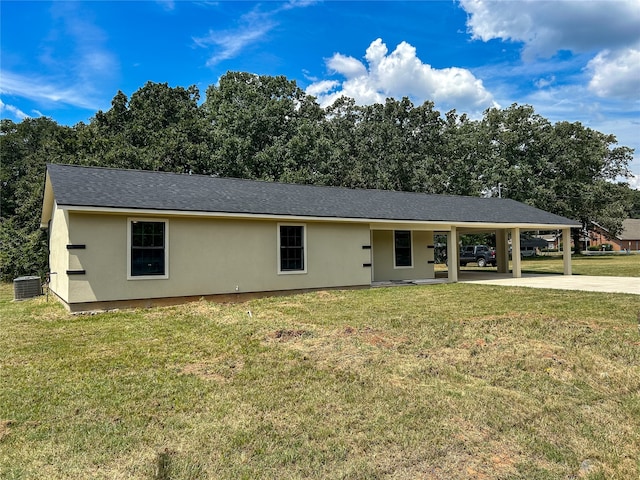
pixel 136 189
pixel 630 229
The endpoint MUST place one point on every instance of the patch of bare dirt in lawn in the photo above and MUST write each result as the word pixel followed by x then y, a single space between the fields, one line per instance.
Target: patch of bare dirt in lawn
pixel 482 454
pixel 310 339
pixel 344 348
pixel 289 334
pixel 218 370
pixel 466 458
pixel 371 336
pixel 327 296
pixel 5 428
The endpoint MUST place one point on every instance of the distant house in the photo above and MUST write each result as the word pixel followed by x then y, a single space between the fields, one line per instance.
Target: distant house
pixel 122 237
pixel 628 239
pixel 531 246
pixel 630 236
pixel 552 240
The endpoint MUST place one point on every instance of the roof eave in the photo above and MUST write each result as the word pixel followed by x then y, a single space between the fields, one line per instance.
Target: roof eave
pixel 380 223
pixel 48 201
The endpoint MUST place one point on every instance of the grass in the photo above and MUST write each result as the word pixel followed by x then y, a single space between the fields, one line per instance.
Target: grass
pixel 443 381
pixel 598 265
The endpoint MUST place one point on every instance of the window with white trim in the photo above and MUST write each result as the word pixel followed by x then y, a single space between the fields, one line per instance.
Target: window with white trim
pixel 402 252
pixel 292 256
pixel 147 255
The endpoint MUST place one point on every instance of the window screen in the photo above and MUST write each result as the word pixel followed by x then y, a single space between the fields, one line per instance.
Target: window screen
pixel 147 248
pixel 402 243
pixel 291 248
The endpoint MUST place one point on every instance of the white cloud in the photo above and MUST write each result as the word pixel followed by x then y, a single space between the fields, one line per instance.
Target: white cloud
pixel 548 27
pixel 229 43
pixel 545 82
pixel 89 62
pixel 616 74
pixel 298 3
pixel 398 74
pixel 322 87
pixel 167 5
pixel 347 66
pixel 72 65
pixel 252 27
pixel 45 89
pixel 634 181
pixel 604 38
pixel 13 111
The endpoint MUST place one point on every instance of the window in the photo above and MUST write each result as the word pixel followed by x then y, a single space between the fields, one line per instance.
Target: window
pixel 402 248
pixel 147 253
pixel 291 249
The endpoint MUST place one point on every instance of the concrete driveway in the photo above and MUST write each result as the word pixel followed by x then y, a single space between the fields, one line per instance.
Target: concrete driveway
pixel 585 283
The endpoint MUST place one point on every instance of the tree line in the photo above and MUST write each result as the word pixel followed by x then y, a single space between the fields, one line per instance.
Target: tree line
pixel 267 128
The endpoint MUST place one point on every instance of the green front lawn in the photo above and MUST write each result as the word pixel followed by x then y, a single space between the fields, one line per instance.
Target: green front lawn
pixel 443 381
pixel 599 265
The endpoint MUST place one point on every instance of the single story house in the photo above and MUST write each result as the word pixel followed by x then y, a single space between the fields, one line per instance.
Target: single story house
pixel 628 239
pixel 630 236
pixel 551 240
pixel 121 237
pixel 531 246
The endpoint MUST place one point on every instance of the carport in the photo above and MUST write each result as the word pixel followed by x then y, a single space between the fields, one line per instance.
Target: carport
pixel 506 236
pixel 405 225
pixel 420 245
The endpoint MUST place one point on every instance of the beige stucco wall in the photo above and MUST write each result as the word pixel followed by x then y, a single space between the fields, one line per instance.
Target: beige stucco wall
pixel 213 256
pixel 58 253
pixel 383 257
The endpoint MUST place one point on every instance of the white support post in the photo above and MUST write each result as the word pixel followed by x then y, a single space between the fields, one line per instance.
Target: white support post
pixel 566 250
pixel 371 254
pixel 453 263
pixel 502 250
pixel 515 253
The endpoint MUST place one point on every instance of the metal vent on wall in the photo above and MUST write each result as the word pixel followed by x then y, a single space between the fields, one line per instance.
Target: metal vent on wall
pixel 26 287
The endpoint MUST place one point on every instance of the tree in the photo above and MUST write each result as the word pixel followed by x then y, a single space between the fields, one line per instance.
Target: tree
pixel 464 157
pixel 26 148
pixel 586 164
pixel 159 128
pixel 264 127
pixel 342 165
pixel 566 168
pixel 633 201
pixel 514 144
pixel 255 126
pixel 392 146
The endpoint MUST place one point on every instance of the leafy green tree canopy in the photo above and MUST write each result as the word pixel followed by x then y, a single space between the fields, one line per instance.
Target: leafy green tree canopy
pixel 268 128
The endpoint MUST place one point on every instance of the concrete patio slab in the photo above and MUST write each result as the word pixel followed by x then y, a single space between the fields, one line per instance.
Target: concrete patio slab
pixel 585 283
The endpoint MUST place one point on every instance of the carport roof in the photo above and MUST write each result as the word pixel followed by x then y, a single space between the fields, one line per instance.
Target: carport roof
pixel 100 188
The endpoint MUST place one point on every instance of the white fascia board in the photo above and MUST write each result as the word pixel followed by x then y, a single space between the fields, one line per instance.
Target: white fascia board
pixel 462 227
pixel 375 224
pixel 48 204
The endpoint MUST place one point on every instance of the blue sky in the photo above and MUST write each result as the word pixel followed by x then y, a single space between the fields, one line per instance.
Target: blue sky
pixel 573 60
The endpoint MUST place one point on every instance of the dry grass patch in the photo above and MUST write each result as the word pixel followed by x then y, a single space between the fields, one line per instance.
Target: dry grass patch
pixel 5 428
pixel 220 370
